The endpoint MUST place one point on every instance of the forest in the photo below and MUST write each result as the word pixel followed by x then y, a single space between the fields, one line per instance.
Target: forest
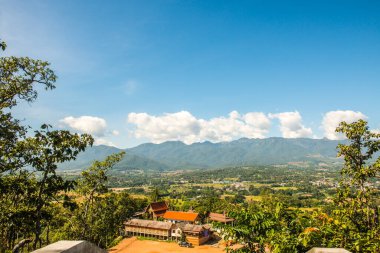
pixel 279 208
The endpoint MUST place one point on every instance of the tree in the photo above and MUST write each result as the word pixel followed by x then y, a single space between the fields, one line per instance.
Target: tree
pixel 94 211
pixel 18 78
pixel 43 152
pixel 155 195
pixel 99 213
pixel 3 45
pixel 265 226
pixel 359 207
pixel 28 161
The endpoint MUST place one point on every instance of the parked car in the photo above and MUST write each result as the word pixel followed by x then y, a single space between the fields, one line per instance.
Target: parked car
pixel 185 244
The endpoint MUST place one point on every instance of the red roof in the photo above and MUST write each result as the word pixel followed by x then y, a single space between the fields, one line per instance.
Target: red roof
pixel 159 213
pixel 180 216
pixel 159 206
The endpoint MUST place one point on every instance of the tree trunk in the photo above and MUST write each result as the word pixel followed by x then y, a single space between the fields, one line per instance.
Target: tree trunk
pixel 37 233
pixel 40 205
pixel 20 245
pixel 47 234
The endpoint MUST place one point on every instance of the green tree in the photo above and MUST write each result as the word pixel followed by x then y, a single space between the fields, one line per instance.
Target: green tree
pixel 44 151
pixel 92 184
pixel 155 195
pixel 96 213
pixel 3 45
pixel 265 226
pixel 18 78
pixel 28 179
pixel 359 206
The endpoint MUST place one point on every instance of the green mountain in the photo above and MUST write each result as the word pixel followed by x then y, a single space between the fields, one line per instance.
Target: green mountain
pixel 130 161
pixel 175 154
pixel 240 152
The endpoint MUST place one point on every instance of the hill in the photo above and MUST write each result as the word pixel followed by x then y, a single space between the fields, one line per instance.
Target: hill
pixel 175 154
pixel 129 161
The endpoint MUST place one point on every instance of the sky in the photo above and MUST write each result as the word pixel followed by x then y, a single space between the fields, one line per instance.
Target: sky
pixel 131 72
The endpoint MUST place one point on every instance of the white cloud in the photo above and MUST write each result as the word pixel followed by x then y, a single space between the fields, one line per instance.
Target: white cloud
pixel 102 141
pixel 86 124
pixel 175 126
pixel 115 132
pixel 183 126
pixel 291 125
pixel 332 119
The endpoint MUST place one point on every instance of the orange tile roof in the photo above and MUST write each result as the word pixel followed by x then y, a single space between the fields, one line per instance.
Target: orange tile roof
pixel 180 216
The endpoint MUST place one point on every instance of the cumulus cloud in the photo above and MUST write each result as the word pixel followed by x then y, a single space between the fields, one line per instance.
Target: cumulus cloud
pixel 291 125
pixel 332 119
pixel 102 141
pixel 183 126
pixel 86 124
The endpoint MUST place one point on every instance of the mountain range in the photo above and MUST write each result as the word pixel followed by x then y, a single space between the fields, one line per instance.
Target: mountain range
pixel 177 155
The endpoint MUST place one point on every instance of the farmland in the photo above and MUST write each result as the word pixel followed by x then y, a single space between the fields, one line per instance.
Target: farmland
pixel 307 187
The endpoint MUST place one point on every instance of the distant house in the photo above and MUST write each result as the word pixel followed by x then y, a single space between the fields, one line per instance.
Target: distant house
pixel 218 217
pixel 149 228
pixel 156 209
pixel 196 234
pixel 186 217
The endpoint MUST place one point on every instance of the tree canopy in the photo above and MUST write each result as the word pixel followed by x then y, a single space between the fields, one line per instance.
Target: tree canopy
pixel 38 204
pixel 28 159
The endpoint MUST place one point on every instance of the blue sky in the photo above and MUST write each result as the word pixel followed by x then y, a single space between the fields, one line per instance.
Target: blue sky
pixel 200 70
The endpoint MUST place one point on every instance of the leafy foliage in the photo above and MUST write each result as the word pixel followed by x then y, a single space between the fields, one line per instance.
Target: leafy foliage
pixel 29 183
pixel 353 224
pixel 359 207
pixel 3 45
pixel 92 212
pixel 266 226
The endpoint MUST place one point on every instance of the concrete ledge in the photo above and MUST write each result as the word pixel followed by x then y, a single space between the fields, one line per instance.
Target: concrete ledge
pixel 328 250
pixel 71 247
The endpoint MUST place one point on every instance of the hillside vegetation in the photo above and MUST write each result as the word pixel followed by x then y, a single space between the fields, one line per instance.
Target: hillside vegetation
pixel 177 155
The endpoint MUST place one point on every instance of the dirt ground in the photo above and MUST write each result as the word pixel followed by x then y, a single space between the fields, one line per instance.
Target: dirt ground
pixel 132 245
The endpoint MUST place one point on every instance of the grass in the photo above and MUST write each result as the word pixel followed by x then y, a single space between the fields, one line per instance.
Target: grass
pixel 145 238
pixel 284 188
pixel 253 198
pixel 210 185
pixel 307 209
pixel 116 241
pixel 231 179
pixel 226 195
pixel 138 196
pixel 175 202
pixel 119 189
pixel 257 185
